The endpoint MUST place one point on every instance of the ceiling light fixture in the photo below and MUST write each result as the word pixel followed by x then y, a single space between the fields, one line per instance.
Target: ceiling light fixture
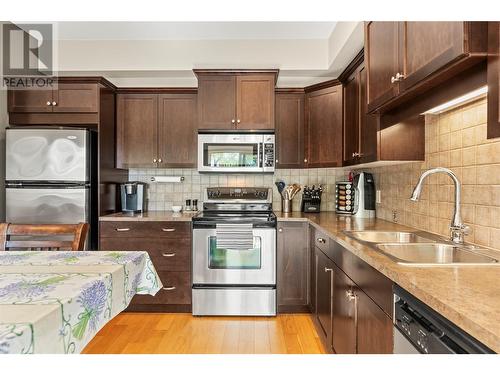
pixel 473 95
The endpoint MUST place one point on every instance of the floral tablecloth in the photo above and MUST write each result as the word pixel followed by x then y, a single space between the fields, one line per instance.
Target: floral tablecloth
pixel 55 302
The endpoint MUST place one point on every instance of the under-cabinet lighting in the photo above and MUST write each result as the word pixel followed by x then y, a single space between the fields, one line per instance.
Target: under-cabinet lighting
pixel 473 95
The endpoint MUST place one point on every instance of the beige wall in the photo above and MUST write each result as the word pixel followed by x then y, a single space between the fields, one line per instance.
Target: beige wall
pixel 457 140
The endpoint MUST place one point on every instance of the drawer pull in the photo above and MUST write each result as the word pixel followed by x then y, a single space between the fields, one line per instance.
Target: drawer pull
pixel 321 240
pixel 122 229
pixel 168 229
pixel 168 255
pixel 168 288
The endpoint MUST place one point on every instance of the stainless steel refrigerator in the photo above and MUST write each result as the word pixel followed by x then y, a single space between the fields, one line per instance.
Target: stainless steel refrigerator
pixel 51 177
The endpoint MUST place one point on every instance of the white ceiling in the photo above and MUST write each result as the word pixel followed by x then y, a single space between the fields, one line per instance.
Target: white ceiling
pixel 193 30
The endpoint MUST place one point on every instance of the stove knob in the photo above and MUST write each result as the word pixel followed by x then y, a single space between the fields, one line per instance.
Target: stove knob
pixel 218 193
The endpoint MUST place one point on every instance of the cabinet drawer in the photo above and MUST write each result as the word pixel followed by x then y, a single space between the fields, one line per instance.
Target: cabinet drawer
pixel 145 229
pixel 176 290
pixel 167 254
pixel 321 240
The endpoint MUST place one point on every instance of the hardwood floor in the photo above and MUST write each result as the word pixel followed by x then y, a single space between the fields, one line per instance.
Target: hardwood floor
pixel 147 333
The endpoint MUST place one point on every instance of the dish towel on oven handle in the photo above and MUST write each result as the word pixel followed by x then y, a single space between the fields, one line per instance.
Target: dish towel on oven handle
pixel 234 236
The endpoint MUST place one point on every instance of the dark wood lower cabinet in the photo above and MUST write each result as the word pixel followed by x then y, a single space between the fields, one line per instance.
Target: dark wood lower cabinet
pixel 169 247
pixel 347 318
pixel 293 267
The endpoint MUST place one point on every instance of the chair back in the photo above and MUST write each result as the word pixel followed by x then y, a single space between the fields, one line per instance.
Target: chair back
pixel 43 236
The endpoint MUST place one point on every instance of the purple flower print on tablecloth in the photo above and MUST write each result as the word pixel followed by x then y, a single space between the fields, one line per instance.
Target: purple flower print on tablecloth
pixel 7 257
pixel 30 288
pixel 70 256
pixel 124 257
pixel 93 301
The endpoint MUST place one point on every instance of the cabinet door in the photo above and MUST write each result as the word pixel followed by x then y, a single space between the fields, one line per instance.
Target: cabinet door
pixel 30 101
pixel 289 130
pixel 216 102
pixel 351 118
pixel 375 329
pixel 81 97
pixel 293 266
pixel 177 130
pixel 137 128
pixel 493 101
pixel 382 55
pixel 344 314
pixel 368 124
pixel 255 102
pixel 324 293
pixel 429 46
pixel 324 127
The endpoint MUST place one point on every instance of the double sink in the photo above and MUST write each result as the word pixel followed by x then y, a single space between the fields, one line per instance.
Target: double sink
pixel 422 248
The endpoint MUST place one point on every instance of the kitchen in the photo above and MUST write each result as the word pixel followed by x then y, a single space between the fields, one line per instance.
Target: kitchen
pixel 273 204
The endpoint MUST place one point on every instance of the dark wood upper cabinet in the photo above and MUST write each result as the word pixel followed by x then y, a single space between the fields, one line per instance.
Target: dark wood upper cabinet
pixel 352 114
pixel 29 100
pixel 293 267
pixel 216 101
pixel 406 59
pixel 255 101
pixel 236 99
pixel 383 59
pixel 177 130
pixel 137 130
pixel 67 97
pixel 289 130
pixel 324 127
pixel 368 124
pixel 75 97
pixel 493 77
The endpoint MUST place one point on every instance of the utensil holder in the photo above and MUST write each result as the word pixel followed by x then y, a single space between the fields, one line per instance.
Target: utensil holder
pixel 286 205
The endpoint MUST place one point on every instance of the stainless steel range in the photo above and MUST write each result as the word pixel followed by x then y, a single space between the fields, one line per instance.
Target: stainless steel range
pixel 234 253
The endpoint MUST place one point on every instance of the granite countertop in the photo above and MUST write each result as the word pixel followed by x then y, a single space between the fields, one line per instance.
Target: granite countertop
pixel 469 296
pixel 149 216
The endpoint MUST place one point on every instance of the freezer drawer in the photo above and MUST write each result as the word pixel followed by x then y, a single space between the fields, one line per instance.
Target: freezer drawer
pixel 47 205
pixel 47 155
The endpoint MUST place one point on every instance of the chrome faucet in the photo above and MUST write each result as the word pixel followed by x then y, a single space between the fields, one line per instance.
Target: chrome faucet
pixel 458 230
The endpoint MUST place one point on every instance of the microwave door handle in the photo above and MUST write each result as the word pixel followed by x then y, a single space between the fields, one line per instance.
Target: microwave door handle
pixel 260 152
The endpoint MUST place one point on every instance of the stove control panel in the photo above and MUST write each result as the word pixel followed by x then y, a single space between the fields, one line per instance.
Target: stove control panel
pixel 243 193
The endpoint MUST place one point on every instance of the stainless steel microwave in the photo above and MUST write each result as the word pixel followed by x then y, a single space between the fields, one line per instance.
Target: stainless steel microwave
pixel 236 152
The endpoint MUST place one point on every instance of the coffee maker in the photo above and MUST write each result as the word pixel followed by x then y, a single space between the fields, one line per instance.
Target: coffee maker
pixel 364 196
pixel 133 194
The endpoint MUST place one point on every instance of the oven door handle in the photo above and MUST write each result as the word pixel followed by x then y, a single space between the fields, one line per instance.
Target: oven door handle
pixel 260 154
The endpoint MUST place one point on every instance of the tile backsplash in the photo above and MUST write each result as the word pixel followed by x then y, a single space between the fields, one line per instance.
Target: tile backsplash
pixel 457 140
pixel 162 196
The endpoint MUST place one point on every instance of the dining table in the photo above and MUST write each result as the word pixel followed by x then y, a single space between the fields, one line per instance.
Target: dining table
pixel 56 301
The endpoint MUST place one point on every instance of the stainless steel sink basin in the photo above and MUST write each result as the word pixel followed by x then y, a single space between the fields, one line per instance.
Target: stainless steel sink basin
pixel 375 236
pixel 434 254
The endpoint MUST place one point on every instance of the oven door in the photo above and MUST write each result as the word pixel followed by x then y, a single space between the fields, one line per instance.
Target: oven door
pixel 230 153
pixel 217 266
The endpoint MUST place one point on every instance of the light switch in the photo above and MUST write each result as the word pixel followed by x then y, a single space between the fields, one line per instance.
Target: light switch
pixel 378 197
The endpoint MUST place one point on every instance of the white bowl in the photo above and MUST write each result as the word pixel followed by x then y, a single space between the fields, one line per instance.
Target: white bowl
pixel 177 208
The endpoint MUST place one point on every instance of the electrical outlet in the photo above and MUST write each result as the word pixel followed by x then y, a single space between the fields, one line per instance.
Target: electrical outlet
pixel 395 216
pixel 378 197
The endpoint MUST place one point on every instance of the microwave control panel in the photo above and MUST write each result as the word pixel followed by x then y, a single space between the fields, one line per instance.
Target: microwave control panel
pixel 268 155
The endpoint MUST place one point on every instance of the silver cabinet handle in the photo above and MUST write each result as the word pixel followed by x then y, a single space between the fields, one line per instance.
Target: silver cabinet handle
pixel 238 121
pixel 276 161
pixel 168 255
pixel 393 79
pixel 280 230
pixel 122 229
pixel 154 160
pixel 233 121
pixel 49 103
pixel 305 160
pixel 54 103
pixel 328 269
pixel 159 160
pixel 321 240
pixel 350 295
pixel 168 229
pixel 168 288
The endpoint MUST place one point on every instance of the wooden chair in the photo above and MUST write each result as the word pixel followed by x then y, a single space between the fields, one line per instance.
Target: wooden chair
pixel 9 232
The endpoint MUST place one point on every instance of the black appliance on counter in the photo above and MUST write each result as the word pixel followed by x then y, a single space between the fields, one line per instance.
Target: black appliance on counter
pixel 311 198
pixel 419 329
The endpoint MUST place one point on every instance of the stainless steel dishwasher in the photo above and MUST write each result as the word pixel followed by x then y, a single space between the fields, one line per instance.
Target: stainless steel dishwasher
pixel 419 329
